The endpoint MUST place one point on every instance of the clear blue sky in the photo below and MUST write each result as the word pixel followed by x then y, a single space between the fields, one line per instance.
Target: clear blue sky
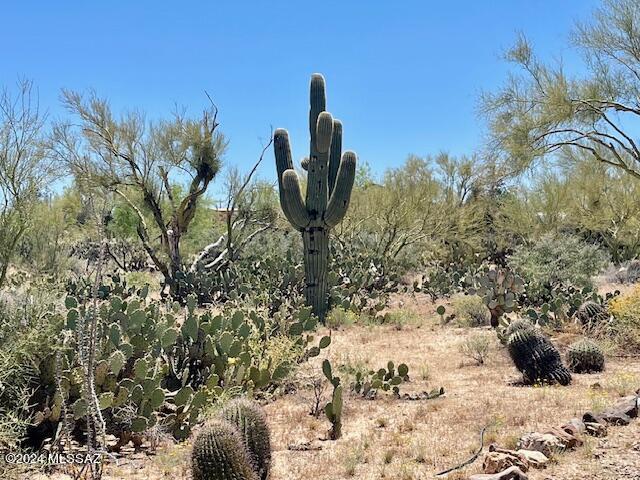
pixel 403 76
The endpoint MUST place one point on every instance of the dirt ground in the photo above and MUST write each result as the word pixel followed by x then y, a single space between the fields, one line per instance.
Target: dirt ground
pixel 389 438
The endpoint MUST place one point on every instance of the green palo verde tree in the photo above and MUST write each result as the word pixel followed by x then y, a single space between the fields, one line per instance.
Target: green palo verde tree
pixel 329 184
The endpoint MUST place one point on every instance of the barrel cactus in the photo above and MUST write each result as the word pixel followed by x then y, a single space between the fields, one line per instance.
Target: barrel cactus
pixel 219 454
pixel 247 416
pixel 591 314
pixel 585 356
pixel 518 324
pixel 507 327
pixel 537 358
pixel 330 177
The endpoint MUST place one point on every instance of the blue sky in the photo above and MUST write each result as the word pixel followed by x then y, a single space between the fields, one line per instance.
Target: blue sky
pixel 404 77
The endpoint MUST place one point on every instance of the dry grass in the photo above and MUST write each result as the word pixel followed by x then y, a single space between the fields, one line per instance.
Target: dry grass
pixel 394 439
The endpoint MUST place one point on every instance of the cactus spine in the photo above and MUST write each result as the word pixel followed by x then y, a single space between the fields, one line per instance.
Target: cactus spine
pixel 585 356
pixel 537 358
pixel 249 419
pixel 592 314
pixel 218 454
pixel 330 177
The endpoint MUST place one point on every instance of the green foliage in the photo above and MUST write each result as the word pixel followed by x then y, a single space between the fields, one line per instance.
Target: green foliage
pixel 150 355
pixel 28 323
pixel 386 379
pixel 251 422
pixel 219 454
pixel 476 347
pixel 499 289
pixel 537 358
pixel 624 329
pixel 557 261
pixel 470 310
pixel 585 356
pixel 333 409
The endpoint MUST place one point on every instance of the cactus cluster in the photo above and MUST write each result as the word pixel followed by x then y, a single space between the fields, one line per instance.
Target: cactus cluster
pixel 164 363
pixel 219 454
pixel 537 358
pixel 249 419
pixel 330 177
pixel 591 314
pixel 384 378
pixel 499 289
pixel 585 356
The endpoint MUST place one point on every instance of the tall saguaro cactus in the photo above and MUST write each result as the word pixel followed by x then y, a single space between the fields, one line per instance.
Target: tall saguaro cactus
pixel 329 183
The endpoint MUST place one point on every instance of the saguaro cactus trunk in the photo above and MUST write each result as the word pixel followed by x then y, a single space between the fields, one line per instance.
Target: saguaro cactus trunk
pixel 329 184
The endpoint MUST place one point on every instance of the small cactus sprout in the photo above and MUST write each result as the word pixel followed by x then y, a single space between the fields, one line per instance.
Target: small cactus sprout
pixel 247 416
pixel 585 356
pixel 219 454
pixel 330 177
pixel 591 314
pixel 537 358
pixel 333 409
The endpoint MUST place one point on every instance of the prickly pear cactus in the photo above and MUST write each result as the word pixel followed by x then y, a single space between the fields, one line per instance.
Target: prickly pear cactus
pixel 333 409
pixel 330 176
pixel 585 356
pixel 591 314
pixel 219 454
pixel 247 416
pixel 537 358
pixel 499 289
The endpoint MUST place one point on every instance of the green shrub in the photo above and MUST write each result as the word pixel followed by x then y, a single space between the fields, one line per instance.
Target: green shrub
pixel 556 260
pixel 340 317
pixel 625 327
pixel 470 310
pixel 476 347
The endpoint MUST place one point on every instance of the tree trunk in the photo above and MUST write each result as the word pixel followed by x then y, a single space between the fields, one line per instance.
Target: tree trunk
pixel 316 258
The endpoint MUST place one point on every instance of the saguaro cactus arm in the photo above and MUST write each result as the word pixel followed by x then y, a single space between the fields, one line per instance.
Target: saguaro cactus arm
pixel 290 195
pixel 335 155
pixel 317 179
pixel 339 201
pixel 293 206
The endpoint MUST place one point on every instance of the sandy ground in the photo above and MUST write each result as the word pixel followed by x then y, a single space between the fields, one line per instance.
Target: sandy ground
pixel 400 439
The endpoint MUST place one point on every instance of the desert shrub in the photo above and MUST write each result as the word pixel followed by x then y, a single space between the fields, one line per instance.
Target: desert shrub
pixel 625 327
pixel 629 272
pixel 400 318
pixel 557 260
pixel 28 332
pixel 470 310
pixel 476 347
pixel 340 317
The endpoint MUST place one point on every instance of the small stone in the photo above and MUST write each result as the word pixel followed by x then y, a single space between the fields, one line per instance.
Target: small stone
pixel 534 458
pixel 629 406
pixel 546 443
pixel 569 441
pixel 575 427
pixel 495 462
pixel 596 429
pixel 511 473
pixel 609 417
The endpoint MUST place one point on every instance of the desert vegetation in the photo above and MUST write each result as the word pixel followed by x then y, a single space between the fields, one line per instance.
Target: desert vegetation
pixel 446 316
